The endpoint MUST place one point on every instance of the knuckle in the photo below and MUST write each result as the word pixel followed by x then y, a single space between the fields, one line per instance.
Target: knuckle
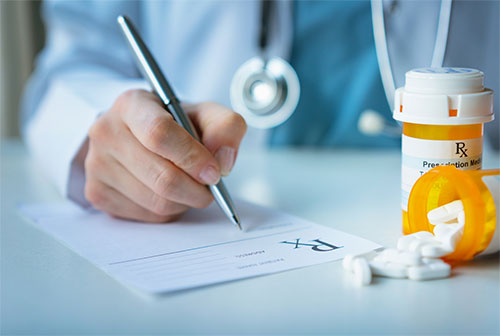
pixel 126 98
pixel 166 182
pixel 161 206
pixel 95 195
pixel 92 163
pixel 130 99
pixel 123 101
pixel 100 129
pixel 192 156
pixel 207 105
pixel 157 131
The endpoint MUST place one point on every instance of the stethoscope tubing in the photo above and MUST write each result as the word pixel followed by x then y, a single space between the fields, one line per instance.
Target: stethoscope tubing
pixel 382 50
pixel 383 58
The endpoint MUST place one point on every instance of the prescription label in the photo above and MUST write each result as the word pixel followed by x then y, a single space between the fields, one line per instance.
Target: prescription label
pixel 421 155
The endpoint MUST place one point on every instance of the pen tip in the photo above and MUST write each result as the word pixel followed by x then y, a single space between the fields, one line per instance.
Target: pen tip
pixel 237 222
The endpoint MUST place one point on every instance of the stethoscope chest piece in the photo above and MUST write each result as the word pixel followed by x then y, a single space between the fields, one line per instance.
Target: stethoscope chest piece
pixel 265 93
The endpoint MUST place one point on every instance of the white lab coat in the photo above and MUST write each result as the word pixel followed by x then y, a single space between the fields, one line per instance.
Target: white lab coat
pixel 199 45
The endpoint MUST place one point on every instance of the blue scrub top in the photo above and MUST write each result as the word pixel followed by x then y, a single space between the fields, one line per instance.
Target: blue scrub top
pixel 334 55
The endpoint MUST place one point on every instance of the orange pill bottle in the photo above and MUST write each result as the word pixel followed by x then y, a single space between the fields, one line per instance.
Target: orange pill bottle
pixel 443 111
pixel 479 191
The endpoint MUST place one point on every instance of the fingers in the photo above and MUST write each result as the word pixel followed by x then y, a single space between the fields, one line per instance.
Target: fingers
pixel 221 131
pixel 142 165
pixel 156 129
pixel 111 201
pixel 159 175
pixel 114 175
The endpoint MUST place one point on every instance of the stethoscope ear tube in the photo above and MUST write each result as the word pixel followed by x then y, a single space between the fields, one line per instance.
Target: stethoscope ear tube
pixel 384 61
pixel 372 123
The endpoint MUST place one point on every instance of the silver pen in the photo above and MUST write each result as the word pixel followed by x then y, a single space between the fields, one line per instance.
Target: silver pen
pixel 151 71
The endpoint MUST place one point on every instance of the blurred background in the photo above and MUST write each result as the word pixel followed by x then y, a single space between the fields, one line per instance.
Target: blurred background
pixel 21 38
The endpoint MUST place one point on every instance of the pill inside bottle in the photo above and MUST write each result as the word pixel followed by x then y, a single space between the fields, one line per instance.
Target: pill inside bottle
pixel 472 197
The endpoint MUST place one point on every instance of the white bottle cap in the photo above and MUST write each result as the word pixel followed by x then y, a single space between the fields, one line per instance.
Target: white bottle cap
pixel 444 96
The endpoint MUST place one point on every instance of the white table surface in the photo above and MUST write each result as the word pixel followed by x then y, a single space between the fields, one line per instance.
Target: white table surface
pixel 46 288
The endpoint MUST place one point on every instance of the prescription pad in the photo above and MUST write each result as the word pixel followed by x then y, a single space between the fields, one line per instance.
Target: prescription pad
pixel 202 248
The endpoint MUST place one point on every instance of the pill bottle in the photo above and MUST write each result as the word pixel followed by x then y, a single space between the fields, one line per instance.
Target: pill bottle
pixel 479 191
pixel 443 111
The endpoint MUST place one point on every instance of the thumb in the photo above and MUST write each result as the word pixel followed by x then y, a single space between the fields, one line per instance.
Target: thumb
pixel 221 131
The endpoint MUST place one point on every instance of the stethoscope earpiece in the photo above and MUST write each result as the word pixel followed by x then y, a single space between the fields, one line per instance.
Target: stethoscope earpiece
pixel 265 93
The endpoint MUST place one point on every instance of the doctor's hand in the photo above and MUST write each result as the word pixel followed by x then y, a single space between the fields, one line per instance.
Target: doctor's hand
pixel 142 165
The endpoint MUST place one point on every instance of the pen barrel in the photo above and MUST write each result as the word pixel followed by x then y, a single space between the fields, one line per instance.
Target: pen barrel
pixel 221 196
pixel 182 118
pixel 152 72
pixel 146 62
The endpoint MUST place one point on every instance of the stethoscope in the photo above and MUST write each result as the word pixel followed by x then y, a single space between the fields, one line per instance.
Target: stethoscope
pixel 266 91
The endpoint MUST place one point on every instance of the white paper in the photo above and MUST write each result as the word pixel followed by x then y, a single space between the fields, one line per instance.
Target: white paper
pixel 202 248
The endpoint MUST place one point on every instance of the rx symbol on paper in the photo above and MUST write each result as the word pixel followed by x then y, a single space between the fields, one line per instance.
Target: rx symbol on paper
pixel 461 150
pixel 316 245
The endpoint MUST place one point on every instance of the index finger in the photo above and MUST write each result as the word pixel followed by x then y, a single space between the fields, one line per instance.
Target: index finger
pixel 157 130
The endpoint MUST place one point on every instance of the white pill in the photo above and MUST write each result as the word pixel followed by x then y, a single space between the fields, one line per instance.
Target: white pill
pixel 387 254
pixel 445 228
pixel 399 257
pixel 445 213
pixel 434 250
pixel 461 217
pixel 347 262
pixel 405 241
pixel 388 269
pixel 448 234
pixel 362 272
pixel 408 258
pixel 442 229
pixel 423 235
pixel 431 261
pixel 416 245
pixel 433 270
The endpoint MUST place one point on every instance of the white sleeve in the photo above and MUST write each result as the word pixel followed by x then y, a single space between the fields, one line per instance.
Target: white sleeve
pixel 83 68
pixel 56 135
